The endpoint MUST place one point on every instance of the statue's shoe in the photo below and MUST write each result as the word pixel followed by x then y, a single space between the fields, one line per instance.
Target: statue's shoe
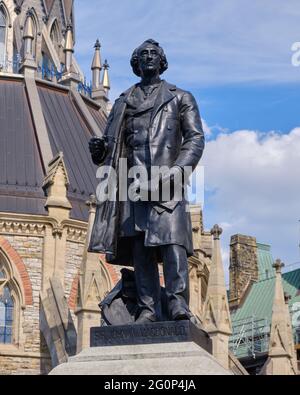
pixel 182 315
pixel 145 318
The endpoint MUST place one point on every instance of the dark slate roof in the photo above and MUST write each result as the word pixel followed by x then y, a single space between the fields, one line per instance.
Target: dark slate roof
pixel 21 174
pixel 97 115
pixel 21 170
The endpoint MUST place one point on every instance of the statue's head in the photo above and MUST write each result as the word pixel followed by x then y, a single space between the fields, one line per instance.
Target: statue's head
pixel 149 58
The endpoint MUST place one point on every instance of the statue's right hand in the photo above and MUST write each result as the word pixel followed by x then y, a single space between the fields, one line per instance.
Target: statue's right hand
pixel 98 149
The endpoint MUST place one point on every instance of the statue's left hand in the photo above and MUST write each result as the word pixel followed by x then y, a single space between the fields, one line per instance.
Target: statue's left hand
pixel 141 190
pixel 98 149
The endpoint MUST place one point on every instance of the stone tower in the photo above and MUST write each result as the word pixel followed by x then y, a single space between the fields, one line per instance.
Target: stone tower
pixel 243 267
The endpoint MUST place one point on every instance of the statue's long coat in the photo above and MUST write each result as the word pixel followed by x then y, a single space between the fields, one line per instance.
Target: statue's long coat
pixel 176 139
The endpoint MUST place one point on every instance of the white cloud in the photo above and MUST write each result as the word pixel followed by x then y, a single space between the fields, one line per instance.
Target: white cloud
pixel 253 187
pixel 207 41
pixel 207 130
pixel 252 178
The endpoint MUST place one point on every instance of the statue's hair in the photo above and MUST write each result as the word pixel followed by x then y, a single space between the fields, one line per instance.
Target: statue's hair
pixel 135 60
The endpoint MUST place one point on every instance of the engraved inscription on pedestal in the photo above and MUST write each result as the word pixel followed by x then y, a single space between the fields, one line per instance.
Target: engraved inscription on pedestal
pixel 159 332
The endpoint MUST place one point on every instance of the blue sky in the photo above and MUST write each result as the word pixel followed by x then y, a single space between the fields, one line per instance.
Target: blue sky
pixel 235 57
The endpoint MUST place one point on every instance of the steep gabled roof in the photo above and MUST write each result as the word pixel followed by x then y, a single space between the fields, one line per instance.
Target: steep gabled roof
pixel 21 161
pixel 255 313
pixel 259 301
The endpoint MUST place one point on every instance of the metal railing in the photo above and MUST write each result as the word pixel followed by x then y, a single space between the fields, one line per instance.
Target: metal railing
pixel 250 337
pixel 7 66
pixel 85 88
pixel 45 72
pixel 50 73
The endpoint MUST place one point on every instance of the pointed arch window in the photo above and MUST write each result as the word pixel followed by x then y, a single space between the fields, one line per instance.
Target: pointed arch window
pixel 54 35
pixel 11 300
pixel 3 30
pixel 6 310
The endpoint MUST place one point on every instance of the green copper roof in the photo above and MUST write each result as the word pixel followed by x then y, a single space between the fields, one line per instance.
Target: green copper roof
pixel 255 313
pixel 259 302
pixel 265 262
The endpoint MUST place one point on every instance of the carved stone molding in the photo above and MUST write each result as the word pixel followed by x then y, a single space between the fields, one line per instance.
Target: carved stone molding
pixel 76 234
pixel 22 228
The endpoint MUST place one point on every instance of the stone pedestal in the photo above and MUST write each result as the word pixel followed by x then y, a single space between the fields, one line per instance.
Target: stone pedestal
pixel 156 333
pixel 167 348
pixel 152 359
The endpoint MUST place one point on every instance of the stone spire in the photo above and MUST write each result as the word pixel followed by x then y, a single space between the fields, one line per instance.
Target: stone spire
pixel 94 283
pixel 216 316
pixel 106 81
pixel 69 48
pixel 28 66
pixel 96 66
pixel 56 185
pixel 281 359
pixel 28 36
pixel 99 90
pixel 71 77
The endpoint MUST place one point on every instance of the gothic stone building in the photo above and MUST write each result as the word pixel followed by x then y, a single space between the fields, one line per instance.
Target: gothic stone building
pixel 50 286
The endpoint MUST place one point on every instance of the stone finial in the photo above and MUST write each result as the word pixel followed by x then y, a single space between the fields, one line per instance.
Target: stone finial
pixel 92 205
pixel 28 66
pixel 55 185
pixel 69 44
pixel 97 44
pixel 92 202
pixel 216 232
pixel 106 81
pixel 96 66
pixel 287 298
pixel 29 29
pixel 69 48
pixel 278 266
pixel 97 58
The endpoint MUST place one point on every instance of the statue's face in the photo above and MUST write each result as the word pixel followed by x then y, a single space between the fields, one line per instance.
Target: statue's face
pixel 149 60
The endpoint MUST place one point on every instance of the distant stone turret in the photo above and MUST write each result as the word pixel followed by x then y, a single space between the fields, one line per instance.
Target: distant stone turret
pixel 282 357
pixel 216 316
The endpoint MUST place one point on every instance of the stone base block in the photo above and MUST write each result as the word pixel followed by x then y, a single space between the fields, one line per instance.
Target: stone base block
pixel 152 359
pixel 161 348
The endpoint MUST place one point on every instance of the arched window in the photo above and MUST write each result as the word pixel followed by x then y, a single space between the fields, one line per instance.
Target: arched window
pixel 3 29
pixel 54 35
pixel 6 310
pixel 11 300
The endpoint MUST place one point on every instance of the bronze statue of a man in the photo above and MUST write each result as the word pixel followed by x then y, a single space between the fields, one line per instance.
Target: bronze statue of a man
pixel 153 123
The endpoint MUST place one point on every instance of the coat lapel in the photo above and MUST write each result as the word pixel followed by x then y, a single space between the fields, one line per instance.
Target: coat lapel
pixel 119 113
pixel 164 96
